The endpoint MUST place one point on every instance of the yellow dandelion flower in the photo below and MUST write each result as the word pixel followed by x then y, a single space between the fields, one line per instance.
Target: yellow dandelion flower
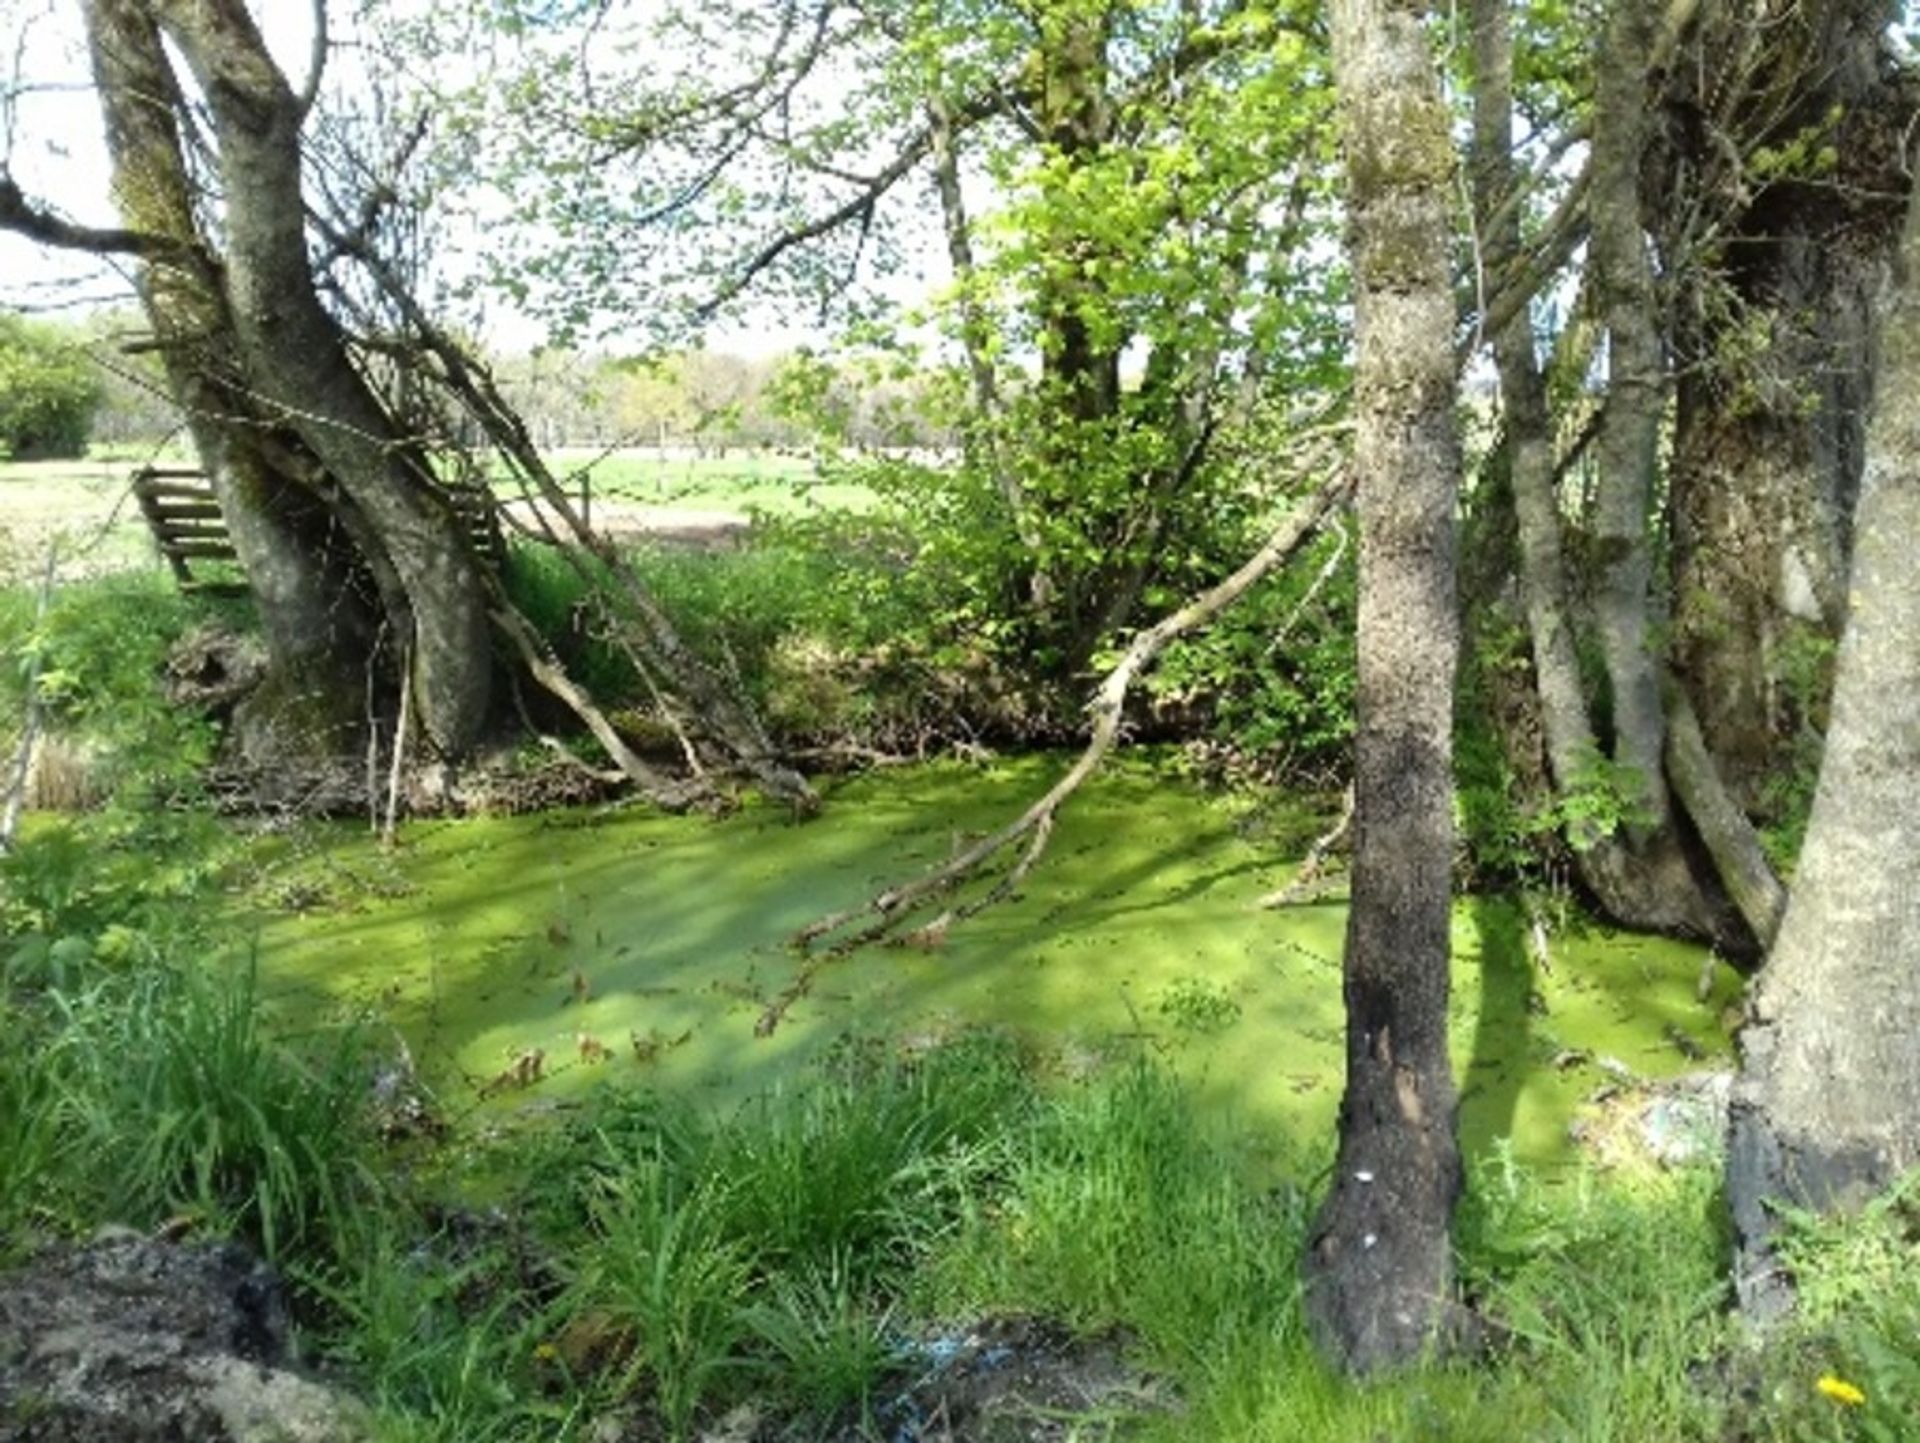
pixel 1841 1391
pixel 545 1352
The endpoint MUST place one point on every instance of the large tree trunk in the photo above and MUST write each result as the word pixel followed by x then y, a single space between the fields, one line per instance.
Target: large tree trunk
pixel 295 354
pixel 1378 1266
pixel 1827 1105
pixel 1773 334
pixel 315 623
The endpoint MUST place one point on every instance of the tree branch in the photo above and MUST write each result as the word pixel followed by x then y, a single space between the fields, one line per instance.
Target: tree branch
pixel 37 223
pixel 884 914
pixel 859 207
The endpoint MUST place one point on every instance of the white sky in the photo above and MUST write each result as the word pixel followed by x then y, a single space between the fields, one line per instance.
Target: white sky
pixel 51 143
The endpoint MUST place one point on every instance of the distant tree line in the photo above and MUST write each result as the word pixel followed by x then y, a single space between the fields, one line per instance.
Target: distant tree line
pixel 74 383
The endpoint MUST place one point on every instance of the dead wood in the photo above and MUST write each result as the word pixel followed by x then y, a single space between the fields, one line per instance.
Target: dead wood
pixel 883 915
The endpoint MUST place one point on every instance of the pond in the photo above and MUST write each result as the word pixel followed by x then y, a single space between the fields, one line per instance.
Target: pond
pixel 628 946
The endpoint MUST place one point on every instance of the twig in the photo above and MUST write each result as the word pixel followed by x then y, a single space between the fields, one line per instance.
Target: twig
pixel 883 914
pixel 30 723
pixel 1306 879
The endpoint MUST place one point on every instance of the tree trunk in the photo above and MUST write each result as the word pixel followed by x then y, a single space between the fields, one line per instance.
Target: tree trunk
pixel 1623 557
pixel 1773 338
pixel 315 623
pixel 1827 1105
pixel 1378 1267
pixel 295 355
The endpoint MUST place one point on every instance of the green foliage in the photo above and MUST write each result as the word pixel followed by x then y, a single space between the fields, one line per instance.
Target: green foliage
pixel 102 648
pixel 561 600
pixel 1515 829
pixel 1803 669
pixel 49 391
pixel 1275 674
pixel 1857 1280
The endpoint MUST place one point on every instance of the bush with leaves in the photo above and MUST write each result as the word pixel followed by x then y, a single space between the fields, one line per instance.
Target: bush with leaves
pixel 49 391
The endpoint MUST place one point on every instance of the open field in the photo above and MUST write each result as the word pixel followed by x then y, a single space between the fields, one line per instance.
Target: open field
pixel 87 507
pixel 777 485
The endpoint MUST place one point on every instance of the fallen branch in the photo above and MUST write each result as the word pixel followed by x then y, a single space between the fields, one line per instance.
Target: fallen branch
pixel 1305 885
pixel 656 786
pixel 886 912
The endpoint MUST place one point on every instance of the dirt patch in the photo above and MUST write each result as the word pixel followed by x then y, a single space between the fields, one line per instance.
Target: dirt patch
pixel 138 1340
pixel 1019 1380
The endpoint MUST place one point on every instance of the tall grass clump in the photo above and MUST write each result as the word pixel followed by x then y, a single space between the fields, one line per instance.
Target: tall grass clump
pixel 443 1343
pixel 154 1089
pixel 766 1251
pixel 1120 1208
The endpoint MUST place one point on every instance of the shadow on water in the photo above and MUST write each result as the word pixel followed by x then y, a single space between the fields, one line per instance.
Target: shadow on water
pixel 1497 1063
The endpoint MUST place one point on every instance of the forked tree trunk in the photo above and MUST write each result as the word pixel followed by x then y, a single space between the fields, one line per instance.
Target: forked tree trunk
pixel 1827 1104
pixel 295 355
pixel 1378 1267
pixel 315 625
pixel 1645 873
pixel 1644 877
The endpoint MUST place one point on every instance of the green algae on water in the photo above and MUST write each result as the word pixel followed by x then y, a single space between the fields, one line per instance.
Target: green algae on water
pixel 623 947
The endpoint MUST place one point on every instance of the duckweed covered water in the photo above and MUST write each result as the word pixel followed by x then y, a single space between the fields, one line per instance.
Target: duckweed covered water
pixel 662 941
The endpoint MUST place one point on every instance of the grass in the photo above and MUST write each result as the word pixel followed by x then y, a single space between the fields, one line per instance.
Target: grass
pixel 746 482
pixel 151 1091
pixel 653 1259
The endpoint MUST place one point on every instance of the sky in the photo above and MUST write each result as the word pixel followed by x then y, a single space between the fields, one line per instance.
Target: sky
pixel 51 145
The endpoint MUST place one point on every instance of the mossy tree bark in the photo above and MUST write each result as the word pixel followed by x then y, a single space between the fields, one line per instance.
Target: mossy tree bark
pixel 1776 268
pixel 314 618
pixel 1378 1266
pixel 295 356
pixel 1827 1104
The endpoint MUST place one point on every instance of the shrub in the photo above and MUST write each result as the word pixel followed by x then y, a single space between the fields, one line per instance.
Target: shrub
pixel 49 391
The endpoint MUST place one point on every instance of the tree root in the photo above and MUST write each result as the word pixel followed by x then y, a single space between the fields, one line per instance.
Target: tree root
pixel 884 915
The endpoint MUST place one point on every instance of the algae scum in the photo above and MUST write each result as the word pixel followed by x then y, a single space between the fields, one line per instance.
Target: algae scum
pixel 629 947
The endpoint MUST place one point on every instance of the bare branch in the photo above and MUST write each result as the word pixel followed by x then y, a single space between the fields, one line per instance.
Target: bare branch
pixel 36 222
pixel 860 207
pixel 884 914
